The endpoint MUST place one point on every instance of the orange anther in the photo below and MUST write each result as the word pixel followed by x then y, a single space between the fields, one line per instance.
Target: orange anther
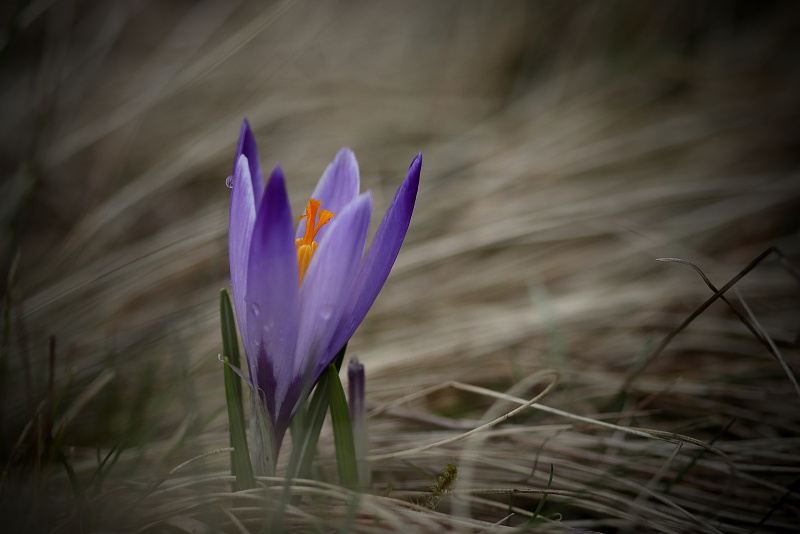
pixel 306 246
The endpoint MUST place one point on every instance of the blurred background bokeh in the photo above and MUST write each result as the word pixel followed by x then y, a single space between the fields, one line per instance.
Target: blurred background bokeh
pixel 566 146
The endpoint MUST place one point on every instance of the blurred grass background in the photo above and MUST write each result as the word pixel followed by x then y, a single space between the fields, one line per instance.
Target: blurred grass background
pixel 566 146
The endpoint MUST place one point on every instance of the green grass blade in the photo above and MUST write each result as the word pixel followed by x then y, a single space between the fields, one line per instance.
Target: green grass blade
pixel 305 427
pixel 230 345
pixel 543 500
pixel 98 473
pixel 241 467
pixel 262 436
pixel 308 425
pixel 240 457
pixel 342 431
pixel 702 452
pixel 78 491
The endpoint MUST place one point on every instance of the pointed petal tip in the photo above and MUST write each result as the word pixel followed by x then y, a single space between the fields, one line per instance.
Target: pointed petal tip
pixel 412 178
pixel 346 156
pixel 277 183
pixel 364 202
pixel 366 196
pixel 417 160
pixel 246 140
pixel 277 173
pixel 245 129
pixel 247 146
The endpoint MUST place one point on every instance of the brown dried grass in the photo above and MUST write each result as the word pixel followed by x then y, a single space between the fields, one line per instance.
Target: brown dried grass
pixel 565 149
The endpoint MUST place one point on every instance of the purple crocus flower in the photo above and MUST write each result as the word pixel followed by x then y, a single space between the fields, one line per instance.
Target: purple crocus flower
pixel 300 295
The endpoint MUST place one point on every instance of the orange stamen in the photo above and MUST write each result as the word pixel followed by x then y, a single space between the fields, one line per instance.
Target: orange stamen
pixel 306 246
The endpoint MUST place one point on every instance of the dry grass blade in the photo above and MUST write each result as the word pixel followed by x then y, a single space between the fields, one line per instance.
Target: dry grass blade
pixel 790 374
pixel 481 428
pixel 566 147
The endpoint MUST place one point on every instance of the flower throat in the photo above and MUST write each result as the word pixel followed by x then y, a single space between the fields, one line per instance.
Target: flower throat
pixel 306 246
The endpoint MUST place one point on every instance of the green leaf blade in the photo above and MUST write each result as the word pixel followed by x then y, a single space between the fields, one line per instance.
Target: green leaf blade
pixel 307 426
pixel 241 467
pixel 342 430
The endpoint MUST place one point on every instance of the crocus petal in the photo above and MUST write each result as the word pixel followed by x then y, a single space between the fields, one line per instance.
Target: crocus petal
pixel 272 299
pixel 292 331
pixel 240 229
pixel 247 146
pixel 337 188
pixel 328 284
pixel 381 256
